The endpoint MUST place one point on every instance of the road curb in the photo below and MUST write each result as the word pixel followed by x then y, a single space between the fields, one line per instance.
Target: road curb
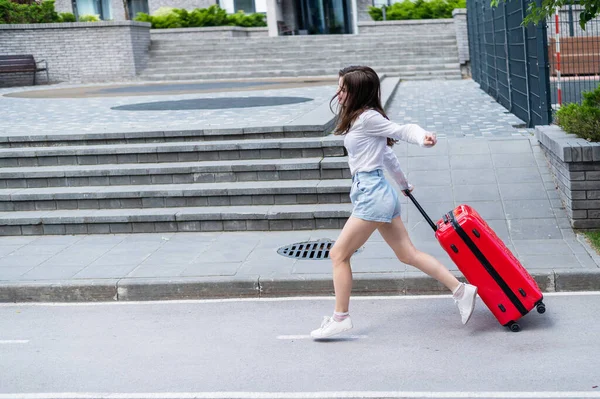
pixel 365 284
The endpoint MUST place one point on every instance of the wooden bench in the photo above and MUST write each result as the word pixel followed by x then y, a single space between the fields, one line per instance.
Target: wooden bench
pixel 22 63
pixel 578 55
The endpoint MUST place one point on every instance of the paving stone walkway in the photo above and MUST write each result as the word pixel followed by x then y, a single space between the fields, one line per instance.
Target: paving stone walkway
pixel 95 115
pixel 480 159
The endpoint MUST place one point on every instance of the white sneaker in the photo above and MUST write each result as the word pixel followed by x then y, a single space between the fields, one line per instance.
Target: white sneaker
pixel 467 303
pixel 330 327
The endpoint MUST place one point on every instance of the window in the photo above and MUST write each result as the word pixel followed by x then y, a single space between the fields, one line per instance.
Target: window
pixel 136 6
pixel 94 7
pixel 247 6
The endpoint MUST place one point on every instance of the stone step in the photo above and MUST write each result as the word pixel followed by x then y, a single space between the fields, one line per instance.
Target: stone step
pixel 156 69
pixel 357 42
pixel 402 51
pixel 157 220
pixel 175 173
pixel 453 73
pixel 227 134
pixel 181 62
pixel 307 40
pixel 171 152
pixel 176 195
pixel 399 64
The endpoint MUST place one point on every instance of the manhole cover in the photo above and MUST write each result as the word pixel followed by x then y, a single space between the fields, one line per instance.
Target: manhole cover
pixel 318 249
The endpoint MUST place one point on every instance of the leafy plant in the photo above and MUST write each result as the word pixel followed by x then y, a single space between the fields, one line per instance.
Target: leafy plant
pixel 66 17
pixel 582 120
pixel 166 17
pixel 418 9
pixel 35 13
pixel 89 18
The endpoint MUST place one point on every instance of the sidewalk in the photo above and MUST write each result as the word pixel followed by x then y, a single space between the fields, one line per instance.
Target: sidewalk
pixel 499 170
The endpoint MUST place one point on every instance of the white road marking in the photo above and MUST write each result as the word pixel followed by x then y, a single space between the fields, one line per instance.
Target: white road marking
pixel 302 395
pixel 14 341
pixel 276 299
pixel 309 337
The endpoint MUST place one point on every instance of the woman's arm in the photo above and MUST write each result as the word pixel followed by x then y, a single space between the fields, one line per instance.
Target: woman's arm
pixel 377 125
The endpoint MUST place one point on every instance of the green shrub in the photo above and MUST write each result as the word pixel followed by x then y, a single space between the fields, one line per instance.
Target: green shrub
pixel 418 9
pixel 211 16
pixel 246 20
pixel 89 18
pixel 582 120
pixel 66 17
pixel 36 13
pixel 166 17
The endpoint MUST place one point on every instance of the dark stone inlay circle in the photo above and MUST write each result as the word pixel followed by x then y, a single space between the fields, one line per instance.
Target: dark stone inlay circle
pixel 212 103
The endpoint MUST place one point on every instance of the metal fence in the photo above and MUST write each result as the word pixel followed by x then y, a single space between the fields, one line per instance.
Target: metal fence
pixel 574 55
pixel 510 61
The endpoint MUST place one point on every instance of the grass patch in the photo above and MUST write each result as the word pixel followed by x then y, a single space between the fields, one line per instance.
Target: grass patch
pixel 593 238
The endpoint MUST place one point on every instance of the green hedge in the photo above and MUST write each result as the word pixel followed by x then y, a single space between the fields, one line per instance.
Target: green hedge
pixel 42 13
pixel 582 120
pixel 165 18
pixel 418 9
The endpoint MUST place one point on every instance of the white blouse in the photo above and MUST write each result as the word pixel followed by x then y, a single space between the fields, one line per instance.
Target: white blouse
pixel 366 143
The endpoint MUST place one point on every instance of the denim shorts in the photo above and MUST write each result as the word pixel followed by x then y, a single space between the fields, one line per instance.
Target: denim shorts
pixel 374 199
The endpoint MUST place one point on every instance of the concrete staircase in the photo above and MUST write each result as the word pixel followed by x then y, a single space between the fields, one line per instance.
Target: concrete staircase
pixel 414 56
pixel 269 184
pixel 293 177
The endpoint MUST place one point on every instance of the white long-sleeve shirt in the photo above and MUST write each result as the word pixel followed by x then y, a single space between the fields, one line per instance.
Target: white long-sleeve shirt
pixel 366 143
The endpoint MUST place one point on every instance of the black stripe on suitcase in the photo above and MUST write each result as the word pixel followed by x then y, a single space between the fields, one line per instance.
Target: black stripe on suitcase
pixel 487 265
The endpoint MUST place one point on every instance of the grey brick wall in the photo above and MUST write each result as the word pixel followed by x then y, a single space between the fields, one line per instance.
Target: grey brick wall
pixel 79 52
pixel 459 16
pixel 410 27
pixel 208 32
pixel 154 5
pixel 575 164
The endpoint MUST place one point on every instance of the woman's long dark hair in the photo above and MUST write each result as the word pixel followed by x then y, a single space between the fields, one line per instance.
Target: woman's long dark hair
pixel 363 92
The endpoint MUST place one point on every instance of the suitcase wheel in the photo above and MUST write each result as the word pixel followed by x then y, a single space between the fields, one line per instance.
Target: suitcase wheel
pixel 541 308
pixel 514 327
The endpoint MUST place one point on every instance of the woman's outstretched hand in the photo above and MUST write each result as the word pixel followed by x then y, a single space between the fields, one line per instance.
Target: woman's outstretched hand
pixel 408 190
pixel 429 140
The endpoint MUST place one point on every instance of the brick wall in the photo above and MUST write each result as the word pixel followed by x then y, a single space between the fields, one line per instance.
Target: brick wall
pixel 575 164
pixel 459 16
pixel 208 32
pixel 410 27
pixel 79 52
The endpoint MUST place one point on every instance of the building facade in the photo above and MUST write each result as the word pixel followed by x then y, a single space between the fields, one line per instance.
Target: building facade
pixel 303 17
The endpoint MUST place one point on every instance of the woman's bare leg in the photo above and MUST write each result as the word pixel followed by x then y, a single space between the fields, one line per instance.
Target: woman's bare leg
pixel 397 238
pixel 354 234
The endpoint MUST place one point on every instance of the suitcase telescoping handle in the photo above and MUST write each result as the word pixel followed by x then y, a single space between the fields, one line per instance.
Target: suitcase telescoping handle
pixel 425 215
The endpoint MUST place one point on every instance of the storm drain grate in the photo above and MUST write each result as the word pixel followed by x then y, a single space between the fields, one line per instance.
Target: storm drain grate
pixel 318 249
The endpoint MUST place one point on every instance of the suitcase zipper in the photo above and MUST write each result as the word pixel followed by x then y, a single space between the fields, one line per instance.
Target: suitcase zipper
pixel 487 265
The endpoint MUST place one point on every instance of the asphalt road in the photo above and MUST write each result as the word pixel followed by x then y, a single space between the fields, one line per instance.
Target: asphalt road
pixel 400 347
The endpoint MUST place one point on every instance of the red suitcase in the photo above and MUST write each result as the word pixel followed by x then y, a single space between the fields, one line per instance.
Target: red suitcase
pixel 502 282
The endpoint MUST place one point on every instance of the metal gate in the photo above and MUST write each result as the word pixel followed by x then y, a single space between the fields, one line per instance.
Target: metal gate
pixel 510 61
